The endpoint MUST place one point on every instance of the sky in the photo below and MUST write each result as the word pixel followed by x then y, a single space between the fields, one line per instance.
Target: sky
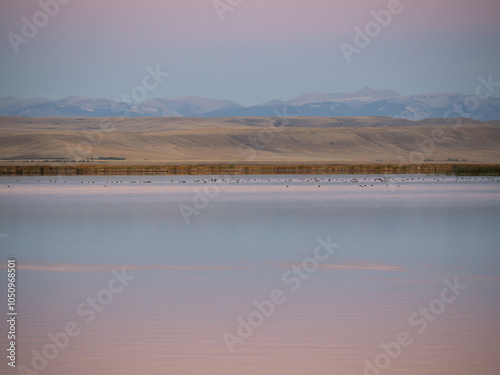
pixel 249 51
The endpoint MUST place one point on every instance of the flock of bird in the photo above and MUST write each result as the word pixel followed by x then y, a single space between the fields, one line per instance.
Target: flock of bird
pixel 361 182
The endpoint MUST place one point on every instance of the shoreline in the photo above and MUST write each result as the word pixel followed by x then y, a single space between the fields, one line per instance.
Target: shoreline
pixel 248 169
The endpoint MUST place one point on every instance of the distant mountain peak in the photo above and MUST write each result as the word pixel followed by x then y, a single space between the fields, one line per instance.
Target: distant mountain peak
pixel 366 101
pixel 376 94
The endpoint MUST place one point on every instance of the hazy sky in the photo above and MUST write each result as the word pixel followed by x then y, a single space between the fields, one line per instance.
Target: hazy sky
pixel 261 50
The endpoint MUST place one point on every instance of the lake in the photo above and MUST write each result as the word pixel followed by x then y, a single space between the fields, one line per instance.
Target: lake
pixel 286 274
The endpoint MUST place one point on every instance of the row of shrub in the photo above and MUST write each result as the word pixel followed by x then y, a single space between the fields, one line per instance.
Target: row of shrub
pixel 450 169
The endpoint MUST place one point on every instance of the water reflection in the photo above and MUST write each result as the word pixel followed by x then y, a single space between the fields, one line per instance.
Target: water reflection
pixel 399 240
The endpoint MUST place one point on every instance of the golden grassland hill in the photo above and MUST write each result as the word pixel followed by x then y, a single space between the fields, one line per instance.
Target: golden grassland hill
pixel 161 124
pixel 168 140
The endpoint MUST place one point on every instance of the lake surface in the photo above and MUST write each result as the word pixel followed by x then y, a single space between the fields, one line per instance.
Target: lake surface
pixel 254 274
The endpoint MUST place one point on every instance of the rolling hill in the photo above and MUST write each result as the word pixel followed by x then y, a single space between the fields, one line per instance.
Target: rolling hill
pixel 246 140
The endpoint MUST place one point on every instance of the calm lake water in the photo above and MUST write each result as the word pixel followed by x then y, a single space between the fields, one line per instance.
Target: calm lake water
pixel 254 274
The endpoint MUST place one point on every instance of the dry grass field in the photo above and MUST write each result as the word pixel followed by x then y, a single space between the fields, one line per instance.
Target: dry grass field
pixel 161 141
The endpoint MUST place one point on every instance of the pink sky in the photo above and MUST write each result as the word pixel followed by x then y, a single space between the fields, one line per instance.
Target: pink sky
pixel 253 20
pixel 257 19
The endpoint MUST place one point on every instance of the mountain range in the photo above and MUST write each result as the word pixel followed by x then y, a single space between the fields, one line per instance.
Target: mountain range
pixel 364 102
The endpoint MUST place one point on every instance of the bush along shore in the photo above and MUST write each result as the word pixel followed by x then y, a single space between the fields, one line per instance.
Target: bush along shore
pixel 213 169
